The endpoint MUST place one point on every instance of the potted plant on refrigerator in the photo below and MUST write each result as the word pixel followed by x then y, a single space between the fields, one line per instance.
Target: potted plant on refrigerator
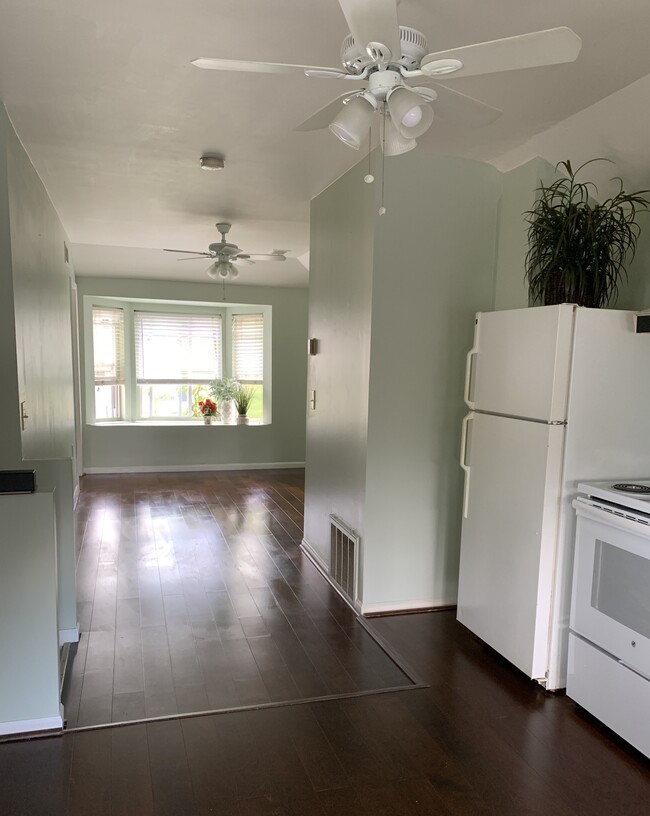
pixel 243 399
pixel 224 391
pixel 579 247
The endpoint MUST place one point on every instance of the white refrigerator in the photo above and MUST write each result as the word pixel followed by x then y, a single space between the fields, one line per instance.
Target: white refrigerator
pixel 557 395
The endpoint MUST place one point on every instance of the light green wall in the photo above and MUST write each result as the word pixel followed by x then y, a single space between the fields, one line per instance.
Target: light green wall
pixel 36 346
pixel 29 669
pixel 11 447
pixel 392 300
pixel 42 311
pixel 517 195
pixel 433 269
pixel 283 441
pixel 340 281
pixel 635 292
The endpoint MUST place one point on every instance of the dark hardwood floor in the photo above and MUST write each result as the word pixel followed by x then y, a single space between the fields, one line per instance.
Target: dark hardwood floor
pixel 482 740
pixel 194 596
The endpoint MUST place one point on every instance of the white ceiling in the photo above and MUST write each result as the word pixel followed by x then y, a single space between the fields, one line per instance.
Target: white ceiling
pixel 114 117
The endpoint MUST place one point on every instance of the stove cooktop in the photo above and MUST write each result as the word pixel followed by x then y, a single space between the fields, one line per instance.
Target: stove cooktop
pixel 634 488
pixel 633 493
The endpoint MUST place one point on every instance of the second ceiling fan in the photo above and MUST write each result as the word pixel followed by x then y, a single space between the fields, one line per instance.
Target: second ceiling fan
pixel 383 54
pixel 225 255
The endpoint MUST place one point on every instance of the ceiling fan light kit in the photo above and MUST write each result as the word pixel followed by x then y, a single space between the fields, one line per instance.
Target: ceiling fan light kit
pixel 394 143
pixel 353 120
pixel 386 55
pixel 409 113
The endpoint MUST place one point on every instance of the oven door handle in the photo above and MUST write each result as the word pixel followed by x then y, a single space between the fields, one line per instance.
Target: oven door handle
pixel 590 511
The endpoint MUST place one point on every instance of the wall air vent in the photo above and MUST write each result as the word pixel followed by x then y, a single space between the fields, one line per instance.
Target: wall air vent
pixel 344 558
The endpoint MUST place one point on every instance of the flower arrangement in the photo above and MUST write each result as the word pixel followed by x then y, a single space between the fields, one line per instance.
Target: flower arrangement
pixel 208 407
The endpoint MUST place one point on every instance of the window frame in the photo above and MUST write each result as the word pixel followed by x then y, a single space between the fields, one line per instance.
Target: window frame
pixel 129 307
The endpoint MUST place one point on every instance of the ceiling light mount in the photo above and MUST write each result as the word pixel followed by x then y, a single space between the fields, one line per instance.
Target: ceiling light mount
pixel 210 161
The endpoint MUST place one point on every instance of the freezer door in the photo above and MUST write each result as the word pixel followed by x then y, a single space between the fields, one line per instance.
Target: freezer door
pixel 520 362
pixel 508 544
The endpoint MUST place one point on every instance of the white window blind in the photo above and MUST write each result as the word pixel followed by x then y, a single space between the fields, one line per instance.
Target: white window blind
pixel 108 346
pixel 177 348
pixel 248 348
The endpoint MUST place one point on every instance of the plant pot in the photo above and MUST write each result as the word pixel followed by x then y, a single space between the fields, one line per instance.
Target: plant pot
pixel 226 411
pixel 207 420
pixel 242 419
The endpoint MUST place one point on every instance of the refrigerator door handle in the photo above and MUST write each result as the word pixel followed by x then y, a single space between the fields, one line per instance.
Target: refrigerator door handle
pixel 463 460
pixel 468 377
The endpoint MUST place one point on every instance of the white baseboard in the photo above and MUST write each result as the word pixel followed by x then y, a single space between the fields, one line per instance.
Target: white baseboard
pixel 192 468
pixel 403 606
pixel 321 566
pixel 75 495
pixel 27 726
pixel 69 635
pixel 374 608
pixel 315 557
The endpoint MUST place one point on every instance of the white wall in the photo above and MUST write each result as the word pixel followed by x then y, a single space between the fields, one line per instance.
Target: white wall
pixel 341 257
pixel 283 441
pixel 433 269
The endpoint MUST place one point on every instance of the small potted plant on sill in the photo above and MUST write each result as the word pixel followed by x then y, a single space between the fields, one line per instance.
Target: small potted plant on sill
pixel 243 399
pixel 579 247
pixel 208 409
pixel 224 391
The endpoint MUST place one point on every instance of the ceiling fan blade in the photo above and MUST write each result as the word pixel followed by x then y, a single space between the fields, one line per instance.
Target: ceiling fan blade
pixel 550 47
pixel 462 109
pixel 201 257
pixel 373 21
pixel 273 256
pixel 268 68
pixel 190 252
pixel 323 117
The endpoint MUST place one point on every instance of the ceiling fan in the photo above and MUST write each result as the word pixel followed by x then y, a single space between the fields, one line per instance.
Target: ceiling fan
pixel 383 54
pixel 225 255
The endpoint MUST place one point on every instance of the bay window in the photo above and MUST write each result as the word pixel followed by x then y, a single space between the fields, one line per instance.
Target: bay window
pixel 148 361
pixel 176 358
pixel 108 348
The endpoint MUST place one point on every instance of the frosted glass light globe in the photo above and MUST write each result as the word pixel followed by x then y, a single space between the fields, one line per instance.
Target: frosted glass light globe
pixel 412 117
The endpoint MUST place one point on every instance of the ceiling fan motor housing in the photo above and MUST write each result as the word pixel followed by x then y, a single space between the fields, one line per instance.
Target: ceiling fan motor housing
pixel 223 249
pixel 413 46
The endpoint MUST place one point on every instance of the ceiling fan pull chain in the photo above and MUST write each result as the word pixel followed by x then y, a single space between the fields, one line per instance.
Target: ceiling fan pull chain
pixel 382 209
pixel 369 178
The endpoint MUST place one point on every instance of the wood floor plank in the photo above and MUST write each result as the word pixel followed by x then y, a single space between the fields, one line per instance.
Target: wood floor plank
pixel 316 754
pixel 131 788
pixel 170 774
pixel 90 775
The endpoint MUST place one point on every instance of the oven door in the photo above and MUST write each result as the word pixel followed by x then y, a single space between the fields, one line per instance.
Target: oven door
pixel 610 605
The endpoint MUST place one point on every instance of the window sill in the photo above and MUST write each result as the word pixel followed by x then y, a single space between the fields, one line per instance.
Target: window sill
pixel 174 423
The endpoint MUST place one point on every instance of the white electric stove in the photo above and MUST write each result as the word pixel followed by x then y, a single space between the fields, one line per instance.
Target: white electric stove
pixel 609 635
